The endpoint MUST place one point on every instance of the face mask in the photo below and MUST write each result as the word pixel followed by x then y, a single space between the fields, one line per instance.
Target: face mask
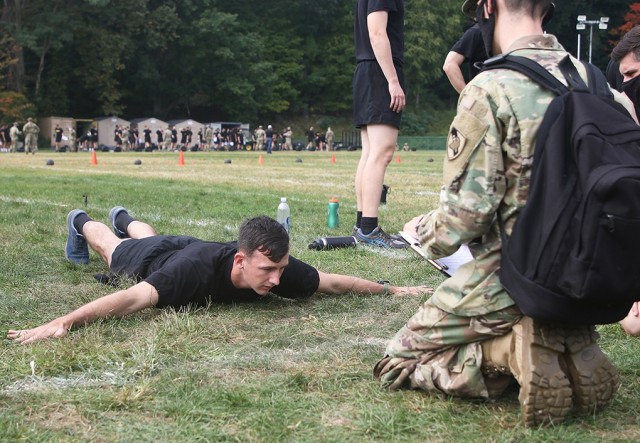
pixel 487 27
pixel 632 89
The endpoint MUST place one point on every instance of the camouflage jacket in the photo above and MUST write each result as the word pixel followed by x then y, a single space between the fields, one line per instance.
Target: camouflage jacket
pixel 487 169
pixel 30 128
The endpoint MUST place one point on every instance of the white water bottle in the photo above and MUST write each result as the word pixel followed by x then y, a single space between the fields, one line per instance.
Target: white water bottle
pixel 284 214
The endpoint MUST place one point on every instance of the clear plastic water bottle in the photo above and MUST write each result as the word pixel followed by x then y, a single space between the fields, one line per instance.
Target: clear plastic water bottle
pixel 284 214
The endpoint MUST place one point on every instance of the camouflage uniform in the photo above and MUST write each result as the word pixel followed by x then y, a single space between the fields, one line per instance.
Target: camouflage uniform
pixel 260 136
pixel 72 140
pixel 329 137
pixel 14 135
pixel 31 131
pixel 166 139
pixel 208 137
pixel 487 169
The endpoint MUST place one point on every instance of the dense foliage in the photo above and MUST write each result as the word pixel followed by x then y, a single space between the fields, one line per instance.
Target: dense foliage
pixel 226 60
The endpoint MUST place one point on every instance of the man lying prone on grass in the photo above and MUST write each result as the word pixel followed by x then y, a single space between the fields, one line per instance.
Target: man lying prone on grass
pixel 177 271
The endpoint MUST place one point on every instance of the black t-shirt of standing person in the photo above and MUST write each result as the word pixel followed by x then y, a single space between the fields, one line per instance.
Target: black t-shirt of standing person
pixel 471 47
pixel 395 28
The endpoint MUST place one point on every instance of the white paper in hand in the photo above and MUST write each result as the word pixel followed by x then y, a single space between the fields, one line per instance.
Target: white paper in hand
pixel 447 265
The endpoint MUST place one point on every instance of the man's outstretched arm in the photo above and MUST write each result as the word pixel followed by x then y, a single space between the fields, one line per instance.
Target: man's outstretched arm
pixel 341 284
pixel 117 304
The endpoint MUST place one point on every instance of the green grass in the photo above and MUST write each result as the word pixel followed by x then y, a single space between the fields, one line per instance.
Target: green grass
pixel 275 370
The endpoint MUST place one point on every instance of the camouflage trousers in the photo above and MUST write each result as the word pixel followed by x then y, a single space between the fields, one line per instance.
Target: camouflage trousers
pixel 440 352
pixel 30 143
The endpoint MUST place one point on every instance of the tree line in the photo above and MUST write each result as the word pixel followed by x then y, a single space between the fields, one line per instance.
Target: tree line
pixel 225 60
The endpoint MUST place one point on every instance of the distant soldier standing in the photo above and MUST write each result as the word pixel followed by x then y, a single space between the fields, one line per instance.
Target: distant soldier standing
pixel 166 144
pixel 208 137
pixel 125 137
pixel 260 138
pixel 72 140
pixel 14 134
pixel 329 138
pixel 288 134
pixel 31 131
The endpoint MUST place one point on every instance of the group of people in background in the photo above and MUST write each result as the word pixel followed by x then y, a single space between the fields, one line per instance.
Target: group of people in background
pixel 271 140
pixel 61 140
pixel 127 138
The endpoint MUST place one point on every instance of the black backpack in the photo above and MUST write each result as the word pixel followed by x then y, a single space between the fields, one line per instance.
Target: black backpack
pixel 574 253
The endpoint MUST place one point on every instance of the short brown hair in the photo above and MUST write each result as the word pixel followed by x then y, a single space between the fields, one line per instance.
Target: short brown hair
pixel 265 235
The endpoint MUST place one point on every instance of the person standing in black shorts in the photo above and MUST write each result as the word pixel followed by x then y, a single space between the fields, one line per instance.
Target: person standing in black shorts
pixel 378 101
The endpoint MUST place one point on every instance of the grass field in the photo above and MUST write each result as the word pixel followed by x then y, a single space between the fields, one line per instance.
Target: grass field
pixel 272 371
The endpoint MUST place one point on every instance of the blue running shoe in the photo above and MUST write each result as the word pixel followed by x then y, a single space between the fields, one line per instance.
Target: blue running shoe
pixel 113 214
pixel 76 249
pixel 379 238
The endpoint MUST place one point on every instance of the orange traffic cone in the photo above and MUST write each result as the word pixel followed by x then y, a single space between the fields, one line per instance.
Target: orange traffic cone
pixel 260 160
pixel 333 159
pixel 94 158
pixel 398 159
pixel 181 158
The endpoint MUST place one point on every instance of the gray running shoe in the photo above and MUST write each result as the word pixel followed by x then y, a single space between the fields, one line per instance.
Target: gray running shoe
pixel 379 238
pixel 76 249
pixel 113 214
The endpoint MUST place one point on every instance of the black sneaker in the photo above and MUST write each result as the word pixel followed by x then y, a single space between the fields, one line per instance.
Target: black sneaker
pixel 379 238
pixel 76 249
pixel 113 214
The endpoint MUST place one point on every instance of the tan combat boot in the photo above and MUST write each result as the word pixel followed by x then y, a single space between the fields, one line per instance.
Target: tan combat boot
pixel 533 353
pixel 593 378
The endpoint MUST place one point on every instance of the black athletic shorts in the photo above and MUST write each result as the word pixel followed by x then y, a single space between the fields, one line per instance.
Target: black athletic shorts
pixel 371 98
pixel 137 258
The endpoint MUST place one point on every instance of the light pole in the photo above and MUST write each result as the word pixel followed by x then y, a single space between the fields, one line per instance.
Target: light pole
pixel 603 23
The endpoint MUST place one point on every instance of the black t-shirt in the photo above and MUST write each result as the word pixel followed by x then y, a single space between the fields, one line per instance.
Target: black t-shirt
pixel 147 135
pixel 59 132
pixel 472 48
pixel 201 273
pixel 395 28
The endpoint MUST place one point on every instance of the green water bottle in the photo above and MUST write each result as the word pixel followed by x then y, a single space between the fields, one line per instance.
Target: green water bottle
pixel 332 219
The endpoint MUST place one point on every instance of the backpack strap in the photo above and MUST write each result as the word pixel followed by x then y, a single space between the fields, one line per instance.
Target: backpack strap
pixel 529 68
pixel 574 80
pixel 597 81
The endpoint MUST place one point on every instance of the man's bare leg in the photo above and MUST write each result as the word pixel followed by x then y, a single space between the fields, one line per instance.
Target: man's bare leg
pixel 138 229
pixel 378 145
pixel 382 143
pixel 100 238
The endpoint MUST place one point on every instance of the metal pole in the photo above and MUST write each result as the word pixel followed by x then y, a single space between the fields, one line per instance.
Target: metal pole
pixel 590 40
pixel 578 46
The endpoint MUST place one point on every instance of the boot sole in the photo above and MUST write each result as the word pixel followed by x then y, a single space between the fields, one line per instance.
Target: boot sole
pixel 545 391
pixel 593 377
